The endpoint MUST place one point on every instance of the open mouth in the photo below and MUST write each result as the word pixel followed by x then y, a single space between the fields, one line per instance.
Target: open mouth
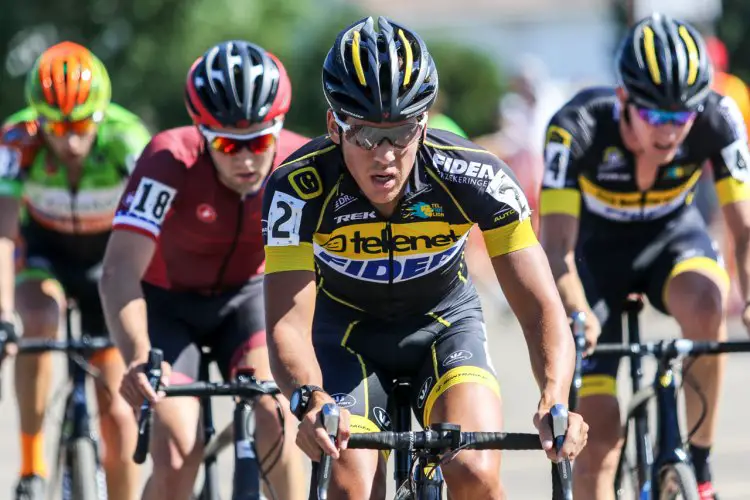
pixel 663 147
pixel 248 176
pixel 386 181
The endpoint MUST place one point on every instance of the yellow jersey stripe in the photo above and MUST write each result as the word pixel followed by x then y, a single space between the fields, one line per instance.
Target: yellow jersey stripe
pixel 510 238
pixel 730 190
pixel 560 201
pixel 289 258
pixel 455 148
pixel 445 188
pixel 308 155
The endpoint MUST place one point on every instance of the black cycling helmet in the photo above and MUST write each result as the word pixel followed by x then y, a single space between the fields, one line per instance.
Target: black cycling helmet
pixel 385 76
pixel 237 84
pixel 663 64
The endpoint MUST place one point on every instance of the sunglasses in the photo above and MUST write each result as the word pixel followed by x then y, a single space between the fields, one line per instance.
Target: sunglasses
pixel 231 144
pixel 657 117
pixel 368 138
pixel 60 128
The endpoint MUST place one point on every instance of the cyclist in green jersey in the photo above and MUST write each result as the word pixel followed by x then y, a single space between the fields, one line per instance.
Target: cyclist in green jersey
pixel 65 160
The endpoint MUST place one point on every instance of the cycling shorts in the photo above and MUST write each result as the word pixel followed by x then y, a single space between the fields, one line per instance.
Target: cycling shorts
pixel 182 323
pixel 360 357
pixel 637 260
pixel 40 258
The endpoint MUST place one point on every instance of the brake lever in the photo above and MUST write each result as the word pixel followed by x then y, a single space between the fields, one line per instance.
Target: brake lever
pixel 330 415
pixel 559 416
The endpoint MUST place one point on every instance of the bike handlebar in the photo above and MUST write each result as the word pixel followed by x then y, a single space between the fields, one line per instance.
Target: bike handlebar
pixel 445 438
pixel 667 349
pixel 245 387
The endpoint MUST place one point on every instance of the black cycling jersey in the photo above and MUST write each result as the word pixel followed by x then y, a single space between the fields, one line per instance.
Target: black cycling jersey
pixel 585 158
pixel 314 214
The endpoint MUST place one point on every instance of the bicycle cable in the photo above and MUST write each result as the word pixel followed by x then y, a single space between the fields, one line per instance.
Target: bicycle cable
pixel 688 379
pixel 276 450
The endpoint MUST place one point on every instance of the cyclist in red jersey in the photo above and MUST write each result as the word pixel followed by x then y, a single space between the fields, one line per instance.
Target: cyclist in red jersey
pixel 183 268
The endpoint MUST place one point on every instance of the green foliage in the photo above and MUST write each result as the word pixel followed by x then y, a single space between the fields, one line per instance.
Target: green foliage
pixel 470 85
pixel 149 45
pixel 731 29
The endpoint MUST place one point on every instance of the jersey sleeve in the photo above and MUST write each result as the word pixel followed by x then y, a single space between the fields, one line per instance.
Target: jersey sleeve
pixel 126 142
pixel 292 203
pixel 560 190
pixel 731 162
pixel 152 189
pixel 493 199
pixel 19 144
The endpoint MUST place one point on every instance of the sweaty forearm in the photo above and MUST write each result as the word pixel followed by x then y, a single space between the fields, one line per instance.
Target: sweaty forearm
pixel 125 312
pixel 552 353
pixel 7 278
pixel 293 360
pixel 569 283
pixel 742 252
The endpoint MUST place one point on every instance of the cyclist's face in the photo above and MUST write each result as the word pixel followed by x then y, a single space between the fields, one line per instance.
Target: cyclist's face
pixel 381 173
pixel 659 141
pixel 242 165
pixel 72 148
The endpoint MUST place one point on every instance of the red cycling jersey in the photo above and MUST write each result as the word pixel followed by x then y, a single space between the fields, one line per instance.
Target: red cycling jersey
pixel 208 237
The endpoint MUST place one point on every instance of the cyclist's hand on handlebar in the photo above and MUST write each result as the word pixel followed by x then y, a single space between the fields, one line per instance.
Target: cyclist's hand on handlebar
pixel 592 330
pixel 9 337
pixel 135 387
pixel 575 437
pixel 312 437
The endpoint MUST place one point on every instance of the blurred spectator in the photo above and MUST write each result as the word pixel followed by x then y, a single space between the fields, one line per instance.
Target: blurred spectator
pixel 523 114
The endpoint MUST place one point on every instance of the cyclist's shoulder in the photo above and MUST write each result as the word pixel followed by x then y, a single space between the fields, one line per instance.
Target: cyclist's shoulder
pixel 720 121
pixel 20 136
pixel 591 111
pixel 171 153
pixel 317 163
pixel 121 132
pixel 458 161
pixel 289 143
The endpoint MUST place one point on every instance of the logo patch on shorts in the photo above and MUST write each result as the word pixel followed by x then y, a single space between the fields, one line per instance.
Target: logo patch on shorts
pixel 457 356
pixel 344 400
pixel 382 418
pixel 423 391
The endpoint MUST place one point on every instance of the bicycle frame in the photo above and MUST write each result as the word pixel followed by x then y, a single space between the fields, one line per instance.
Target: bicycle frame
pixel 77 420
pixel 668 432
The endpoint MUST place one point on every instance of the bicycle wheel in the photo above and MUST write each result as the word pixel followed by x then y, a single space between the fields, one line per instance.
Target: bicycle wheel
pixel 83 470
pixel 677 482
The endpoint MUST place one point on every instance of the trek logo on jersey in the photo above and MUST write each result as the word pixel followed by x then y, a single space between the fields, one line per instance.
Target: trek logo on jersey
pixel 423 210
pixel 360 243
pixel 356 216
pixel 343 201
pixel 462 171
pixel 387 270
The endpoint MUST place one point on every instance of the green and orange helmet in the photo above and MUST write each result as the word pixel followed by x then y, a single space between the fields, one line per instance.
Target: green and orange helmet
pixel 68 82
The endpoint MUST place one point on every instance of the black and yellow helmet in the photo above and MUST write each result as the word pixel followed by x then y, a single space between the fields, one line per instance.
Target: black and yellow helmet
pixel 385 76
pixel 663 63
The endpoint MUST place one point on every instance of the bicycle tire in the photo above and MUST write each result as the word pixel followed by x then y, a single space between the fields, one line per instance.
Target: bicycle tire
pixel 83 471
pixel 677 481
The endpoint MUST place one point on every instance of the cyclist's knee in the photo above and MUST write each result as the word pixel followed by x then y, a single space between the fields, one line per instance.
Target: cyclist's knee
pixel 176 443
pixel 268 417
pixel 697 303
pixel 602 450
pixel 39 304
pixel 474 474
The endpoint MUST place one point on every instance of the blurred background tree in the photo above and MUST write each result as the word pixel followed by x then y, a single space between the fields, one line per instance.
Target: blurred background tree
pixel 148 46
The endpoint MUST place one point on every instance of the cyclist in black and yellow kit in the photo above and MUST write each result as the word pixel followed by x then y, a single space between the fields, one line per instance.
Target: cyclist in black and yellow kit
pixel 621 169
pixel 381 207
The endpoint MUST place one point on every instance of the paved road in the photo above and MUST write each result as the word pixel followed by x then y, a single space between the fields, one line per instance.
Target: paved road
pixel 525 473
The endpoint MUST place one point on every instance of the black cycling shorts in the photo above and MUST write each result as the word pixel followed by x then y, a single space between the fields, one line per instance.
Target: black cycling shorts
pixel 181 323
pixel 637 260
pixel 40 257
pixel 360 356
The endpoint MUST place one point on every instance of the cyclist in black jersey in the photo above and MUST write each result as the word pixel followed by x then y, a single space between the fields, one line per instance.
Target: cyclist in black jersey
pixel 617 217
pixel 365 277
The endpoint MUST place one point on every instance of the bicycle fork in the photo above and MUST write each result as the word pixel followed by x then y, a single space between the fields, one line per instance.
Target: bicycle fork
pixel 77 423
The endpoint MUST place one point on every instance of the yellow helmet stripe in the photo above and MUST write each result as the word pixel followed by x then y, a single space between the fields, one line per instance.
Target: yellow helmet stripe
pixel 653 64
pixel 409 57
pixel 692 54
pixel 356 59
